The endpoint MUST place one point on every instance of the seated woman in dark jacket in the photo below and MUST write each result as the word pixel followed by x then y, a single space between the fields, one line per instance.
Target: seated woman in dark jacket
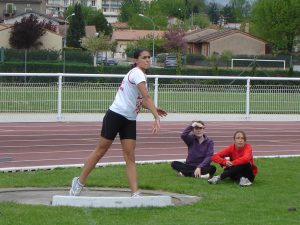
pixel 200 150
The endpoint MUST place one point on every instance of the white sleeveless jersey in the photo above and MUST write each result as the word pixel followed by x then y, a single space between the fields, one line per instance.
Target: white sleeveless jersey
pixel 128 100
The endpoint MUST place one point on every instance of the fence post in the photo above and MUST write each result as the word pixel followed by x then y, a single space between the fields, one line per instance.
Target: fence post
pixel 156 91
pixel 59 116
pixel 2 54
pixel 248 99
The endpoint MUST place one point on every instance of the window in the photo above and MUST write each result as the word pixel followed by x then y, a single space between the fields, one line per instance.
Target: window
pixel 10 8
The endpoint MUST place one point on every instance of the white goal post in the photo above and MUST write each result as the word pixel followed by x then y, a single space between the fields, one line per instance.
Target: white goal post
pixel 259 60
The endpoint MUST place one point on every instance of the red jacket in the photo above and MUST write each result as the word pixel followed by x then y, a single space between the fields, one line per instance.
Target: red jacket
pixel 237 156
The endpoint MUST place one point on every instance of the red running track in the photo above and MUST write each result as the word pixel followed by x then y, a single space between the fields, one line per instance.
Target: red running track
pixel 47 144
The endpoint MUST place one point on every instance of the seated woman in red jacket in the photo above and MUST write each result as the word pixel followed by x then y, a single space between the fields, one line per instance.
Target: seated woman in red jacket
pixel 237 161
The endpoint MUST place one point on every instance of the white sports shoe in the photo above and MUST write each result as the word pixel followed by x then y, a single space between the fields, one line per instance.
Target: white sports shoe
pixel 214 180
pixel 245 182
pixel 180 174
pixel 76 187
pixel 205 176
pixel 136 194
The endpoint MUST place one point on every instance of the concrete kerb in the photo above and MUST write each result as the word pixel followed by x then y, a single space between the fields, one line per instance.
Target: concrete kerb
pixel 173 117
pixel 44 196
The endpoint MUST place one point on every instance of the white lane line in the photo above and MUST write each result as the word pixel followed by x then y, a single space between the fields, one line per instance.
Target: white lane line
pixel 138 150
pixel 89 150
pixel 152 142
pixel 116 157
pixel 80 139
pixel 103 164
pixel 84 144
pixel 82 158
pixel 50 139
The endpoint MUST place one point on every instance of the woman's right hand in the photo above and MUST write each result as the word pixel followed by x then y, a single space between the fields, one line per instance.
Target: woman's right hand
pixel 156 125
pixel 229 164
pixel 161 112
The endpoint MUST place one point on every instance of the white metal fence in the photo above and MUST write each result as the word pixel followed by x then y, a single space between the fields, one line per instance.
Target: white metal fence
pixel 186 98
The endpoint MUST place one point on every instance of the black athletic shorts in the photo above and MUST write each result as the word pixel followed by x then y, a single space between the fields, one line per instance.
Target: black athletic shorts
pixel 114 123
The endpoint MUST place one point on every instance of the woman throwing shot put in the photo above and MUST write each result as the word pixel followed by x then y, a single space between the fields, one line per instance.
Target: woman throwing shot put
pixel 121 118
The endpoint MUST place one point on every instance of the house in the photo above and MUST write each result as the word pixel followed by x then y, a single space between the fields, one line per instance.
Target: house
pixel 10 8
pixel 4 34
pixel 41 17
pixel 50 40
pixel 123 37
pixel 194 34
pixel 119 26
pixel 90 31
pixel 235 41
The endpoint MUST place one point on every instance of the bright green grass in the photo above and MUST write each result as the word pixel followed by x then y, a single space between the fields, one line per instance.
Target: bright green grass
pixel 275 189
pixel 95 100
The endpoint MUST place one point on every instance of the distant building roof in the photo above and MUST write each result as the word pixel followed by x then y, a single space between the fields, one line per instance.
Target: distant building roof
pixel 196 34
pixel 90 31
pixel 119 26
pixel 134 35
pixel 57 20
pixel 221 34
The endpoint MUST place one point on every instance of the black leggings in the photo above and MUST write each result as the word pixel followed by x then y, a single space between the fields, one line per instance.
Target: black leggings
pixel 236 172
pixel 188 170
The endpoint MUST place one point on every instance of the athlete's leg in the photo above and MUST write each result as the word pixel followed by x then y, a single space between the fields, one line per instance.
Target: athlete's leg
pixel 94 157
pixel 128 146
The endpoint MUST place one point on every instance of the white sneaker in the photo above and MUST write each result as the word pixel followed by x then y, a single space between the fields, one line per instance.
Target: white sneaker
pixel 180 174
pixel 214 180
pixel 245 182
pixel 76 187
pixel 205 176
pixel 136 194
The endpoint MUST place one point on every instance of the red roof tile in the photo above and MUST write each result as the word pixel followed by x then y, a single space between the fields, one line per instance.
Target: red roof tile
pixel 134 35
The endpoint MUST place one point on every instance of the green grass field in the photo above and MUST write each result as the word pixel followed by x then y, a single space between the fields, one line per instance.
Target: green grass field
pixel 95 100
pixel 275 189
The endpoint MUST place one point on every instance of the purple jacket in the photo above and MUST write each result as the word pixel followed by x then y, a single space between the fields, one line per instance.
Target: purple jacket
pixel 199 155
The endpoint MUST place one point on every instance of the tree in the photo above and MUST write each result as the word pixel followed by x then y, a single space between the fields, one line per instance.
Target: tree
pixel 76 28
pixel 228 14
pixel 128 9
pixel 176 44
pixel 194 7
pixel 26 33
pixel 146 43
pixel 96 44
pixel 277 21
pixel 199 20
pixel 93 17
pixel 241 9
pixel 213 12
pixel 226 56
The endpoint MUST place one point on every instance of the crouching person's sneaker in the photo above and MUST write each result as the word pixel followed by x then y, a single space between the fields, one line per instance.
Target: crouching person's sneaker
pixel 245 182
pixel 76 187
pixel 206 176
pixel 214 180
